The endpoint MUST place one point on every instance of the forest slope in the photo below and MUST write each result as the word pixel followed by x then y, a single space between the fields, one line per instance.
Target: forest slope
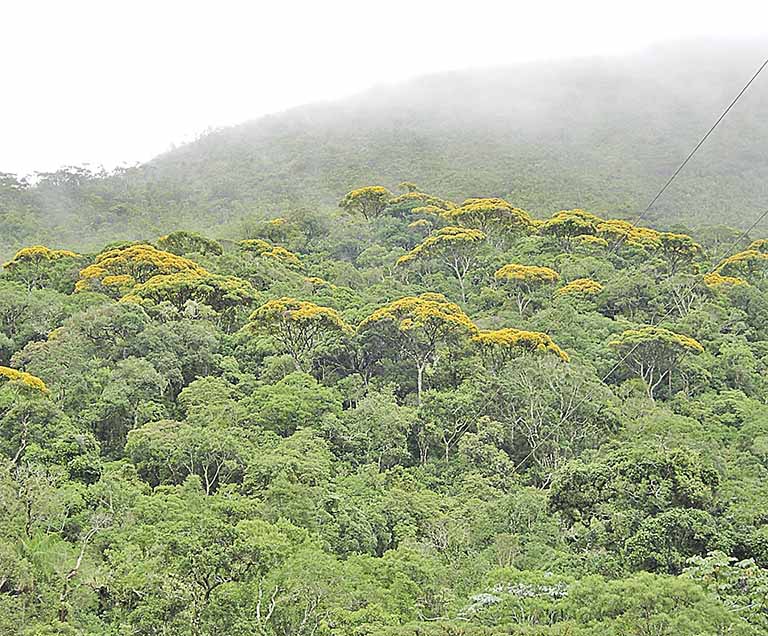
pixel 602 134
pixel 403 418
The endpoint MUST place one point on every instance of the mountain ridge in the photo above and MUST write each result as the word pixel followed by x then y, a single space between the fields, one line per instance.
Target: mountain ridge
pixel 603 135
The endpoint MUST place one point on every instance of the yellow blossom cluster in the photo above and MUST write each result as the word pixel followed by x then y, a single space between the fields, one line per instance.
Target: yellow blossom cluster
pixel 297 311
pixel 570 223
pixel 531 274
pixel 580 287
pixel 491 213
pixel 24 379
pixel 369 201
pixel 445 237
pixel 426 310
pixel 218 292
pixel 748 262
pixel 634 339
pixel 509 341
pixel 714 280
pixel 617 230
pixel 140 262
pixel 316 282
pixel 37 254
pixel 590 230
pixel 414 202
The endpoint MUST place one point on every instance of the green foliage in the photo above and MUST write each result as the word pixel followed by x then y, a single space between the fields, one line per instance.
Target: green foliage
pixel 463 446
pixel 181 243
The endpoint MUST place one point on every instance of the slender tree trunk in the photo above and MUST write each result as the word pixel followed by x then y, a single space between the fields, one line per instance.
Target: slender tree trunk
pixel 419 380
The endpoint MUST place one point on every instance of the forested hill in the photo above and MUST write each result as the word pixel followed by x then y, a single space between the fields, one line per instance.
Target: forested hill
pixel 426 420
pixel 597 134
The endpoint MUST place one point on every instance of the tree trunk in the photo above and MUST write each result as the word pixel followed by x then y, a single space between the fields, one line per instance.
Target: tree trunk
pixel 419 380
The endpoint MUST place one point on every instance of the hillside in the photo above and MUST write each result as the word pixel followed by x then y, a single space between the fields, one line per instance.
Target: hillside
pixel 425 420
pixel 597 134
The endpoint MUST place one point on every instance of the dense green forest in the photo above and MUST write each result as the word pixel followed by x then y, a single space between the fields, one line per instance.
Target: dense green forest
pixel 399 415
pixel 598 134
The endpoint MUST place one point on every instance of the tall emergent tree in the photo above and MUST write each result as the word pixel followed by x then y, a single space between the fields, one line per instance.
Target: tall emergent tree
pixel 452 247
pixel 501 345
pixel 298 326
pixel 492 216
pixel 679 250
pixel 416 326
pixel 34 266
pixel 369 201
pixel 568 226
pixel 522 280
pixel 653 353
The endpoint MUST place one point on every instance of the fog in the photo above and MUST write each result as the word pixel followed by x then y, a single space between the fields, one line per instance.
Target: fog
pixel 108 83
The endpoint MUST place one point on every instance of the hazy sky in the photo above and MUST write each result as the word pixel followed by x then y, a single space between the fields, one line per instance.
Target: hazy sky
pixel 110 82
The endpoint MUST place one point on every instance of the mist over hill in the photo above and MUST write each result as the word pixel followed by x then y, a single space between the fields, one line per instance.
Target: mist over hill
pixel 352 407
pixel 601 134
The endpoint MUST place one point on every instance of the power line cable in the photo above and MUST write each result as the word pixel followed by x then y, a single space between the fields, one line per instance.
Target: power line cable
pixel 658 195
pixel 625 357
pixel 692 153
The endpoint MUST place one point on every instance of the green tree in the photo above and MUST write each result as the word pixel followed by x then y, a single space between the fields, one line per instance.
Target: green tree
pixel 297 326
pixel 452 247
pixel 369 201
pixel 181 243
pixel 416 326
pixel 523 280
pixel 653 353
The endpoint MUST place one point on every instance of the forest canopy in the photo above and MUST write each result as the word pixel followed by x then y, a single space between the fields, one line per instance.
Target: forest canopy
pixel 401 416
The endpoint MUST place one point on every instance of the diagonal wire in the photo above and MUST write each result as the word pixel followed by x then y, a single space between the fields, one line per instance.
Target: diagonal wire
pixel 623 359
pixel 691 154
pixel 634 224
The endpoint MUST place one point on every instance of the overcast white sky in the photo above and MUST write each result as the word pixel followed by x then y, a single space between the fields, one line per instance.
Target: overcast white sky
pixel 107 82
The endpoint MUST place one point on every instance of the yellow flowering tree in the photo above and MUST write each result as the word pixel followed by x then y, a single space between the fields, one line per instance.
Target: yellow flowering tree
pixel 617 233
pixel 369 202
pixel 750 264
pixel 652 353
pixel 501 345
pixel 297 326
pixel 759 245
pixel 416 326
pixel 589 241
pixel 581 287
pixel 32 265
pixel 415 202
pixel 716 281
pixel 454 248
pixel 121 268
pixel 569 226
pixel 22 379
pixel 522 280
pixel 678 250
pixel 492 216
